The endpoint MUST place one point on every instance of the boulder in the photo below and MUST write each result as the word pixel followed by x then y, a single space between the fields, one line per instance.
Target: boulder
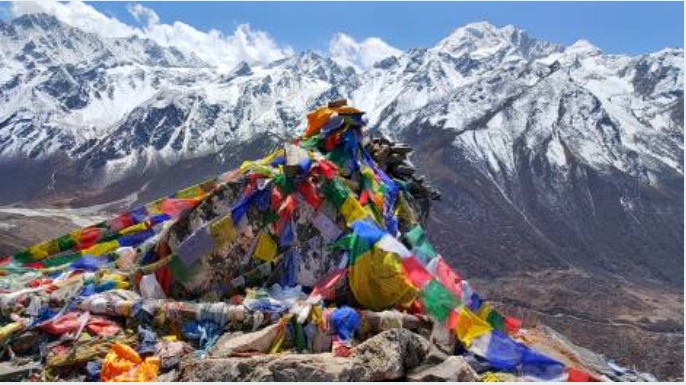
pixel 256 342
pixel 453 369
pixel 390 355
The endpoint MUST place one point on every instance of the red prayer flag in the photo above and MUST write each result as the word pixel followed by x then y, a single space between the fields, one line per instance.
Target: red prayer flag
pixel 416 272
pixel 576 375
pixel 449 278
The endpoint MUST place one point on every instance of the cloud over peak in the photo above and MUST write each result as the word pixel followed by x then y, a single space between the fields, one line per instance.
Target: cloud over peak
pixel 345 50
pixel 77 14
pixel 223 51
pixel 213 47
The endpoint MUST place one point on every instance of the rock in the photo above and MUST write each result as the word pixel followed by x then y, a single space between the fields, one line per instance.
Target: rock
pixel 171 363
pixel 285 367
pixel 26 342
pixel 231 343
pixel 443 338
pixel 170 376
pixel 171 353
pixel 453 369
pixel 390 354
pixel 387 356
pixel 401 148
pixel 11 371
pixel 435 357
pixel 394 158
pixel 337 103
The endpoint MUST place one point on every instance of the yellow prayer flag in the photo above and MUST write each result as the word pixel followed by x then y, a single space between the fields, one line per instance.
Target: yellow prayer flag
pixel 101 248
pixel 352 210
pixel 266 248
pixel 469 326
pixel 223 231
pixel 378 281
pixel 44 250
pixel 484 311
pixel 190 192
pixel 134 229
pixel 154 208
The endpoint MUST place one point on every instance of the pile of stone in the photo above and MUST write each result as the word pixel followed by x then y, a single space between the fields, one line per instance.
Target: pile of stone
pixel 394 158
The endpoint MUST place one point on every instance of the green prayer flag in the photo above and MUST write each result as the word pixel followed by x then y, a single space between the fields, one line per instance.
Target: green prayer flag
pixel 496 320
pixel 358 248
pixel 66 242
pixel 438 301
pixel 285 184
pixel 299 336
pixel 23 257
pixel 335 192
pixel 417 239
pixel 62 260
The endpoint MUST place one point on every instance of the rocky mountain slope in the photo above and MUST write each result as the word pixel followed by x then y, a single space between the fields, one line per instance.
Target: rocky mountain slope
pixel 551 159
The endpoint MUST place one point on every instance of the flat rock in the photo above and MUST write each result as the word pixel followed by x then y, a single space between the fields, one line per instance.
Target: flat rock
pixel 453 369
pixel 231 343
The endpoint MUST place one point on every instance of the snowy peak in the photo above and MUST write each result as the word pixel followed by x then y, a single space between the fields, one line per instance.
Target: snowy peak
pixel 484 40
pixel 660 73
pixel 43 40
pixel 361 56
pixel 63 90
pixel 583 48
pixel 37 21
pixel 314 65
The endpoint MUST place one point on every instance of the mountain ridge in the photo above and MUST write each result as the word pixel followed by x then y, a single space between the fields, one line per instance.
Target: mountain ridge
pixel 510 104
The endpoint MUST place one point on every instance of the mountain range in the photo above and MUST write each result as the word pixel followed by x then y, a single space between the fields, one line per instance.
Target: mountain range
pixel 561 167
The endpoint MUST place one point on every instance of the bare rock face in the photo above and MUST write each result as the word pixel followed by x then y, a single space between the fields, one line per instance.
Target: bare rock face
pixel 453 369
pixel 388 356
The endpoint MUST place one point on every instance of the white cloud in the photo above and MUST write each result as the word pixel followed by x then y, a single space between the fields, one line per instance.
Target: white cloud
pixel 361 56
pixel 143 14
pixel 76 14
pixel 215 48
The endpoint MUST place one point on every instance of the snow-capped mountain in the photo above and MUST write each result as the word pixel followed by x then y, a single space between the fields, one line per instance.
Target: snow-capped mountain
pixel 545 153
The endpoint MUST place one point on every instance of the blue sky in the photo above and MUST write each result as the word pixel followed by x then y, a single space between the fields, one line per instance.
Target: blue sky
pixel 626 27
pixel 224 33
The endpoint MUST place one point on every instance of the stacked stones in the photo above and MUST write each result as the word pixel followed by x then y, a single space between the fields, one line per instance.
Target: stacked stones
pixel 394 158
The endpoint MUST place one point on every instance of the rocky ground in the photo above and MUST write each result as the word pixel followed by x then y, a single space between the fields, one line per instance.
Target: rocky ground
pixel 18 231
pixel 638 324
pixel 392 355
